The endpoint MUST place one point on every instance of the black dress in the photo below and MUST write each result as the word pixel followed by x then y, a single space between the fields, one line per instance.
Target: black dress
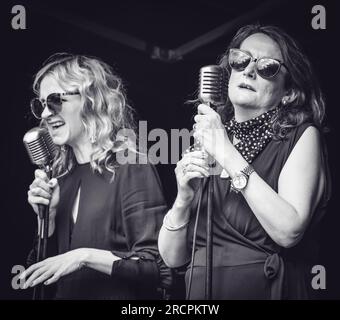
pixel 124 217
pixel 247 263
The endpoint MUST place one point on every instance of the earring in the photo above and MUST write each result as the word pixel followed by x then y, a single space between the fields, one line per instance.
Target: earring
pixel 63 148
pixel 93 139
pixel 284 102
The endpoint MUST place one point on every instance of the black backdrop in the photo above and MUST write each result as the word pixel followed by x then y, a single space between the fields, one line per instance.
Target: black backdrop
pixel 157 89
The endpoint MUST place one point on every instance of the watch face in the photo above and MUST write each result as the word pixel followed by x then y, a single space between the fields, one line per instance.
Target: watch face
pixel 239 181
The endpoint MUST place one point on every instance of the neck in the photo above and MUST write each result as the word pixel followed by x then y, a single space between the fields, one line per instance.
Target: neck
pixel 245 113
pixel 83 151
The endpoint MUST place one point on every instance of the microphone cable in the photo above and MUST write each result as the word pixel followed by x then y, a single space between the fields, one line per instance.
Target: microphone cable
pixel 194 238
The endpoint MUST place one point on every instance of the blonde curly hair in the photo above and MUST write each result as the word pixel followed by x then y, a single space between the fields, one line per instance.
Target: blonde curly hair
pixel 105 112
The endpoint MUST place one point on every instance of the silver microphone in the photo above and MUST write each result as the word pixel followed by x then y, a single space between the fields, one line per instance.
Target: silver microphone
pixel 40 147
pixel 213 85
pixel 212 91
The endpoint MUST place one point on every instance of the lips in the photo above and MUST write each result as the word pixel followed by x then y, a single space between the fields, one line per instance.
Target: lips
pixel 246 86
pixel 56 124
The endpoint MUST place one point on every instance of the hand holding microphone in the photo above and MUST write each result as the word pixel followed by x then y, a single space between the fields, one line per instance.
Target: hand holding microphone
pixel 209 131
pixel 195 162
pixel 210 134
pixel 43 191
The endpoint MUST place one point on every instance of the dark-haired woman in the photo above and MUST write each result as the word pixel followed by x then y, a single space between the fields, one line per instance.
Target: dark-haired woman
pixel 272 192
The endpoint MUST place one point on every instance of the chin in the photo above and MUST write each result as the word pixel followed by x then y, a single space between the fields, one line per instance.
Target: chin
pixel 59 140
pixel 243 102
pixel 241 97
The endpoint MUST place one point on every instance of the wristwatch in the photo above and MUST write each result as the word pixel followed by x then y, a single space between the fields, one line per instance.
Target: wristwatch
pixel 240 180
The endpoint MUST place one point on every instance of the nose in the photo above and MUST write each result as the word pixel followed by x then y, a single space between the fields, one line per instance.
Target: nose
pixel 46 113
pixel 249 71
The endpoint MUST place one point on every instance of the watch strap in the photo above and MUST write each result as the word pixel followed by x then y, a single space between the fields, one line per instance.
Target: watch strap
pixel 247 171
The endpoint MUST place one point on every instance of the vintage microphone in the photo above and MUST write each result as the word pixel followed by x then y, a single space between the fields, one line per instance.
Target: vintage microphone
pixel 212 91
pixel 41 151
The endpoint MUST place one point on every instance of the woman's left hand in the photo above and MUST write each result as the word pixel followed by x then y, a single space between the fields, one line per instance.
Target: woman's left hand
pixel 210 132
pixel 51 269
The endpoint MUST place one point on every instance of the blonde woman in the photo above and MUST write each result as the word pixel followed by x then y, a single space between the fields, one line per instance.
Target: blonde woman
pixel 104 216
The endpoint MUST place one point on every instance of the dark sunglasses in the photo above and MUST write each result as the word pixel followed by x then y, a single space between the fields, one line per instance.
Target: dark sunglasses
pixel 265 67
pixel 54 102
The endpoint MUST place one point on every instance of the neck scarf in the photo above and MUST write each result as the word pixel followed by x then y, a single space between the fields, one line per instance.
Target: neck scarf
pixel 254 134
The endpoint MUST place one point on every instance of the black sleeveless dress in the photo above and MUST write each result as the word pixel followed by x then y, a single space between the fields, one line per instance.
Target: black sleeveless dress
pixel 247 263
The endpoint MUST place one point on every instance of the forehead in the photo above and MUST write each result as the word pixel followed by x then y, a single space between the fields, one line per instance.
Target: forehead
pixel 261 45
pixel 49 85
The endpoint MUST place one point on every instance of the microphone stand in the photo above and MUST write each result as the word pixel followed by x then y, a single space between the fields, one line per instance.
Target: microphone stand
pixel 209 230
pixel 43 237
pixel 209 253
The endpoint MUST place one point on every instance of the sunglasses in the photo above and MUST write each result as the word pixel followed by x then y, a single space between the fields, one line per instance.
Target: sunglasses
pixel 265 67
pixel 53 102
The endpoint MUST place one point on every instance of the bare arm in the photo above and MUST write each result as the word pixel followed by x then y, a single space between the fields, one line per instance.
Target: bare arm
pixel 285 215
pixel 173 245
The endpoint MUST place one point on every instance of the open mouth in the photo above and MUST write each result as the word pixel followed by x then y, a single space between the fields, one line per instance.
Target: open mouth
pixel 56 125
pixel 246 86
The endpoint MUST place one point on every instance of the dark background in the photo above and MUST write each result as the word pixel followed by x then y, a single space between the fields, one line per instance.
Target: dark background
pixel 157 87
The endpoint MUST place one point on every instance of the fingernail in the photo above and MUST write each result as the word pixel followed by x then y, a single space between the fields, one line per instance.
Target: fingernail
pixel 32 284
pixel 46 283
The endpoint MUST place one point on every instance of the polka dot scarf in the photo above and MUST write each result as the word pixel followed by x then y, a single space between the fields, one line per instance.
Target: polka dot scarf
pixel 254 134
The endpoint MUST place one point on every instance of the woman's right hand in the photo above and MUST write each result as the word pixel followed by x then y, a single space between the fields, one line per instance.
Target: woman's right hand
pixel 194 164
pixel 44 191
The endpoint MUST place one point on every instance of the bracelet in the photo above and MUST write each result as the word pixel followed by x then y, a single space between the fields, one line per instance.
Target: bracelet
pixel 173 228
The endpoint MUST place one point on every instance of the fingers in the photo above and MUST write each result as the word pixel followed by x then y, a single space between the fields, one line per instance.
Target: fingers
pixel 193 165
pixel 31 269
pixel 47 274
pixel 196 168
pixel 38 173
pixel 37 195
pixel 40 183
pixel 53 183
pixel 39 192
pixel 204 109
pixel 38 272
pixel 53 279
pixel 33 200
pixel 199 154
pixel 206 117
pixel 196 158
pixel 193 174
pixel 186 162
pixel 33 273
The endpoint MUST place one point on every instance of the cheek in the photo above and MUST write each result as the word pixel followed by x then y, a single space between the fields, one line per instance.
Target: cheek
pixel 78 127
pixel 272 91
pixel 233 80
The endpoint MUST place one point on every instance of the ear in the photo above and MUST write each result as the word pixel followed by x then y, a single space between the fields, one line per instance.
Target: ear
pixel 289 96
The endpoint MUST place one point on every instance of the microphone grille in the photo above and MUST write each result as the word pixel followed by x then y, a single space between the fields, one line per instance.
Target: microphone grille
pixel 213 85
pixel 40 146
